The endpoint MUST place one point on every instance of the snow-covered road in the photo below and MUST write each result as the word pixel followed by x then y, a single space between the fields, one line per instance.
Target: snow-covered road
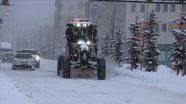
pixel 43 86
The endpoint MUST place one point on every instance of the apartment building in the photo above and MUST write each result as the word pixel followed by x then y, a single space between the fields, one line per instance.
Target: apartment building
pixel 113 15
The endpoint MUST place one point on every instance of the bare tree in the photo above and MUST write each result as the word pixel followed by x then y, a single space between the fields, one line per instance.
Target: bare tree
pixel 5 3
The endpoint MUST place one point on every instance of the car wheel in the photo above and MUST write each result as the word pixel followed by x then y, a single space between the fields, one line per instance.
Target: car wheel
pixel 13 68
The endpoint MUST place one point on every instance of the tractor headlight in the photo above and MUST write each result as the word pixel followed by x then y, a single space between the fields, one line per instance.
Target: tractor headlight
pixel 37 58
pixel 84 25
pixel 78 25
pixel 88 42
pixel 79 42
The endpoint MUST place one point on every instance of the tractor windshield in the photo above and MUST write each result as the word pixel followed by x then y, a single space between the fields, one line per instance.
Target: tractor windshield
pixel 75 33
pixel 82 33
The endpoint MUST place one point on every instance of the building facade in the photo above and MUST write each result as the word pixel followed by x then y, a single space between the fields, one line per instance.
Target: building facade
pixel 113 15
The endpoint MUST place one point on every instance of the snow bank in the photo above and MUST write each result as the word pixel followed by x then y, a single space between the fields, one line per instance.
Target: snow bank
pixel 164 78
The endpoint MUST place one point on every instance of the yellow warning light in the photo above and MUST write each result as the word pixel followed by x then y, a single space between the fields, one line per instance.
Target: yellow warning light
pixel 80 20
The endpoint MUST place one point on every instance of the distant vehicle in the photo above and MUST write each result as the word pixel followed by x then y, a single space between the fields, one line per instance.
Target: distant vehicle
pixel 23 61
pixel 7 57
pixel 81 50
pixel 35 55
pixel 5 47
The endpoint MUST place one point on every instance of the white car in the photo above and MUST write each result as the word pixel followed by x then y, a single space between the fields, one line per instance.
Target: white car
pixel 23 61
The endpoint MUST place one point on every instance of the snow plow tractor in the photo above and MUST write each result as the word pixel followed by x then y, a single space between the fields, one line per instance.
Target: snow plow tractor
pixel 81 50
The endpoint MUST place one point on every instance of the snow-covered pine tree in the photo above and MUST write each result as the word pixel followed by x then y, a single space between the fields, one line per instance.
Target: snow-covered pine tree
pixel 150 51
pixel 118 43
pixel 106 45
pixel 178 52
pixel 134 50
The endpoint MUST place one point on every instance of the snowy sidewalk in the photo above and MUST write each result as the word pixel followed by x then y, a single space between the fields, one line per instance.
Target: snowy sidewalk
pixel 9 93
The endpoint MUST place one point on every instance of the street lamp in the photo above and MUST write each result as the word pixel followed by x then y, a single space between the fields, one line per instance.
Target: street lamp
pixel 106 9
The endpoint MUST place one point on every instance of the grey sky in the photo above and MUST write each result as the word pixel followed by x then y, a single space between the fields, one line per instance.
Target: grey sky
pixel 25 15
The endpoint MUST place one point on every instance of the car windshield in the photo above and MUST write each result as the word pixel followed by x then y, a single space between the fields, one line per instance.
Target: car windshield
pixel 5 50
pixel 27 56
pixel 9 55
pixel 34 52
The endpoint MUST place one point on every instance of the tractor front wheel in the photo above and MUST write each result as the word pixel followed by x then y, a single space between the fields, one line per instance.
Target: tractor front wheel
pixel 66 67
pixel 101 69
pixel 59 62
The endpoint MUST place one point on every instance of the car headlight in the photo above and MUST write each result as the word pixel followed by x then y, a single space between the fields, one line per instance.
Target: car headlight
pixel 31 62
pixel 17 61
pixel 88 42
pixel 80 42
pixel 37 58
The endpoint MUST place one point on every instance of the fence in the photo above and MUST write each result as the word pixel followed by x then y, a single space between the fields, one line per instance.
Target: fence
pixel 164 57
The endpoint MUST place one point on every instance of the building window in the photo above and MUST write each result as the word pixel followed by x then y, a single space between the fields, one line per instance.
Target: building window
pixel 142 8
pixel 94 5
pixel 164 27
pixel 133 7
pixel 183 9
pixel 173 7
pixel 158 7
pixel 157 27
pixel 165 7
pixel 72 8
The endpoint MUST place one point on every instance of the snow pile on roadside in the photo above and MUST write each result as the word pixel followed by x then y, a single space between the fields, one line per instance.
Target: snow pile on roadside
pixel 9 94
pixel 164 78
